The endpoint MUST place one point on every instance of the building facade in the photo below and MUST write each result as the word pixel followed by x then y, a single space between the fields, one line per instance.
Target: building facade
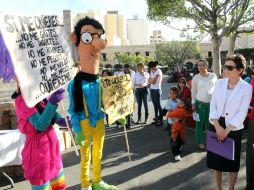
pixel 157 37
pixel 108 55
pixel 242 41
pixel 116 34
pixel 138 32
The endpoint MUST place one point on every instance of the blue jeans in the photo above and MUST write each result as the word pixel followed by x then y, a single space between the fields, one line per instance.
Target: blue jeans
pixel 156 99
pixel 141 96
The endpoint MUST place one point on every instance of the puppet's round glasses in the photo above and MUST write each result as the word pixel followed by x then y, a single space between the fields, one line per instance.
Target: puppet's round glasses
pixel 87 37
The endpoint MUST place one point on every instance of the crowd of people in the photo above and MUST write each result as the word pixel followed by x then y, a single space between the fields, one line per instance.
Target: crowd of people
pixel 219 105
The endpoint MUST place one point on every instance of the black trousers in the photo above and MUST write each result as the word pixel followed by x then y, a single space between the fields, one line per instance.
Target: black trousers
pixel 176 146
pixel 250 156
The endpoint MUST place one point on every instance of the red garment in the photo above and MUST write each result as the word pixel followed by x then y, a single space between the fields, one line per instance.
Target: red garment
pixel 251 114
pixel 185 93
pixel 178 126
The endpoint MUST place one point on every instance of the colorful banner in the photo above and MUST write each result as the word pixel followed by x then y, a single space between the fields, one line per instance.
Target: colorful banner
pixel 40 54
pixel 118 98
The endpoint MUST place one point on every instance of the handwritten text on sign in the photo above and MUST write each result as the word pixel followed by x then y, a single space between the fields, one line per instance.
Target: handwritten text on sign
pixel 40 53
pixel 118 98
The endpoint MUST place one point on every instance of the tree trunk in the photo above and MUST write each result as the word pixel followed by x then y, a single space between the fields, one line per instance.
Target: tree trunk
pixel 216 56
pixel 231 45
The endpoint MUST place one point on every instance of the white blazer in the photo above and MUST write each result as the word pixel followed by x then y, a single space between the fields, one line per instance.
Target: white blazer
pixel 237 106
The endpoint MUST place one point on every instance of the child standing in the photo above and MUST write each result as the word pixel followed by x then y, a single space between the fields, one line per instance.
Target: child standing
pixel 41 157
pixel 178 128
pixel 171 105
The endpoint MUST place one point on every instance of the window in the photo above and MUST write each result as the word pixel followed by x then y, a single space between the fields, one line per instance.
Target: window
pixel 210 54
pixel 147 53
pixel 104 57
pixel 137 53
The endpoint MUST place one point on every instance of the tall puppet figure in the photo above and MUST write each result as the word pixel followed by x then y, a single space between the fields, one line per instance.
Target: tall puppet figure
pixel 85 102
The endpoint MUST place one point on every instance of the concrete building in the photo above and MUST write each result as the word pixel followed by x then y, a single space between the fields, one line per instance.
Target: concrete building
pixel 68 17
pixel 116 34
pixel 115 29
pixel 138 32
pixel 108 55
pixel 156 37
pixel 96 14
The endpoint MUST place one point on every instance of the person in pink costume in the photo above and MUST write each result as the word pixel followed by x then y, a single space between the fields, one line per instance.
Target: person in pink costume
pixel 41 157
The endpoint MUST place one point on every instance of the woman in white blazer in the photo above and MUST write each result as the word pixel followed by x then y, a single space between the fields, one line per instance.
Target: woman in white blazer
pixel 228 109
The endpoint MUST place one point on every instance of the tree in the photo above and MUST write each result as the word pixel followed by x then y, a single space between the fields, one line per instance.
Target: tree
pixel 131 59
pixel 217 18
pixel 139 59
pixel 243 25
pixel 176 52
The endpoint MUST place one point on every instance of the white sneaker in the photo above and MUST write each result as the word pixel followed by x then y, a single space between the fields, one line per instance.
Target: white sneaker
pixel 178 158
pixel 87 188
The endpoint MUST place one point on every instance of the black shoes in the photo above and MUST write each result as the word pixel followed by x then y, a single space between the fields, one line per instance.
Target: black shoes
pixel 159 123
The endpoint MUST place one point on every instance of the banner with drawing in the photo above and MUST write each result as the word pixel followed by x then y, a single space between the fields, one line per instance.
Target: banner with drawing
pixel 40 53
pixel 118 98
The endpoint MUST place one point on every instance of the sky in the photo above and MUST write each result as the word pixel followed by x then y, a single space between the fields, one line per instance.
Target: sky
pixel 125 7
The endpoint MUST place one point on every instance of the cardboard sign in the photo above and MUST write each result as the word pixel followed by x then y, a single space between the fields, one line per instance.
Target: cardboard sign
pixel 40 54
pixel 118 98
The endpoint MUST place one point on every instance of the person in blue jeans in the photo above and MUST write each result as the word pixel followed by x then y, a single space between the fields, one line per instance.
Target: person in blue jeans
pixel 140 83
pixel 155 91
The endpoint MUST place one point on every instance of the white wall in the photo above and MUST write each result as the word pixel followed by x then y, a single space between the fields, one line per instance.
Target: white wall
pixel 138 32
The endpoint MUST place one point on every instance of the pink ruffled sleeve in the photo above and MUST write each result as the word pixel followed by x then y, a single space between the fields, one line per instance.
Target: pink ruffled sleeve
pixel 23 113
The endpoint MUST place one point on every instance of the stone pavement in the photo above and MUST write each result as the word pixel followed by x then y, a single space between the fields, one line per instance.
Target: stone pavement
pixel 152 166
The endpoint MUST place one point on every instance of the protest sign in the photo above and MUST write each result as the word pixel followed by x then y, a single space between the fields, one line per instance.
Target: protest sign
pixel 118 98
pixel 40 54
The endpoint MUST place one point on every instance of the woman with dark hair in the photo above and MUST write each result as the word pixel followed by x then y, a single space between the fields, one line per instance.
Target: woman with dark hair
pixel 229 106
pixel 184 91
pixel 106 73
pixel 201 91
pixel 155 91
pixel 140 83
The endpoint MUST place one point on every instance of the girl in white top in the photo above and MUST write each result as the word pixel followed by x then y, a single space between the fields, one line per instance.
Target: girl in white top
pixel 140 83
pixel 155 91
pixel 202 88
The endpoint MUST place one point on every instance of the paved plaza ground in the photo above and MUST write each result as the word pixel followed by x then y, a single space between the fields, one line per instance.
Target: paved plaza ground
pixel 152 166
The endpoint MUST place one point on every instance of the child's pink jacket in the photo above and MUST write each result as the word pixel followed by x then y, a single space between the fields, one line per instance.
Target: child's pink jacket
pixel 41 158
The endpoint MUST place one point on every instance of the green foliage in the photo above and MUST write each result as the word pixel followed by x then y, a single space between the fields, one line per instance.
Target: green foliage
pixel 131 59
pixel 176 52
pixel 163 10
pixel 148 59
pixel 248 53
pixel 218 18
pixel 139 59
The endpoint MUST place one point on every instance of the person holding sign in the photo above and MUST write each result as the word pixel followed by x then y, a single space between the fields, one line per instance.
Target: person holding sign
pixel 229 106
pixel 85 98
pixel 41 157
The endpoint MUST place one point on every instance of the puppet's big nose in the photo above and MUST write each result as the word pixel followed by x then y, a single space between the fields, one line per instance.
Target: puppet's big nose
pixel 99 44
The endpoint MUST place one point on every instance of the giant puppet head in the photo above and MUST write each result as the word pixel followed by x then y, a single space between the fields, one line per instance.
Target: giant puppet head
pixel 89 38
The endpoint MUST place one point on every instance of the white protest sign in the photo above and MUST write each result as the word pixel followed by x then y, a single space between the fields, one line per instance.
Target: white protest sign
pixel 40 54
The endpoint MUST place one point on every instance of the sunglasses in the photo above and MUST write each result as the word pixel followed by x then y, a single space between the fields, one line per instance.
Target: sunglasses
pixel 87 37
pixel 229 67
